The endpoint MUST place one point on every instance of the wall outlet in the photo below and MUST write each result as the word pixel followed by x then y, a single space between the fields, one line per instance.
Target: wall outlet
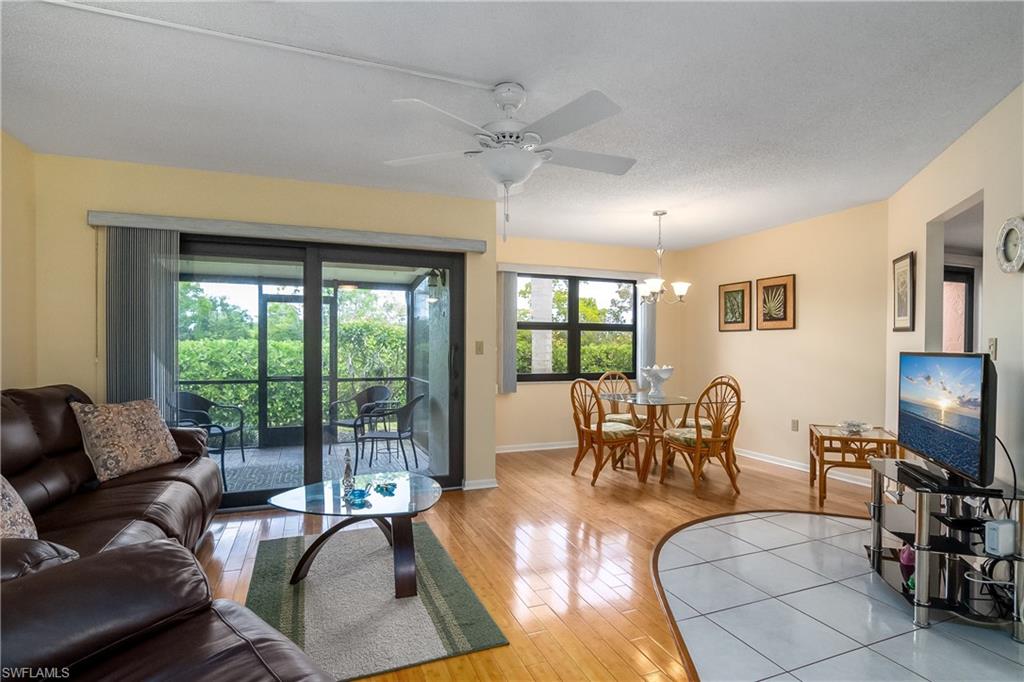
pixel 479 347
pixel 794 424
pixel 993 343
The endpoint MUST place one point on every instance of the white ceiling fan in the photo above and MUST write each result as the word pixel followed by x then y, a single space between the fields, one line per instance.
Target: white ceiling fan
pixel 510 150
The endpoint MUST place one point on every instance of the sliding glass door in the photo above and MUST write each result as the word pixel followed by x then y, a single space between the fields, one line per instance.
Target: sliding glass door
pixel 394 370
pixel 374 372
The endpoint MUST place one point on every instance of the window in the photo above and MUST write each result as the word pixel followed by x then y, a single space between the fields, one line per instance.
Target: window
pixel 572 327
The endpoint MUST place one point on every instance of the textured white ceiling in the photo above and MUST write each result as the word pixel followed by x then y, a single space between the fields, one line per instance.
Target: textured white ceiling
pixel 741 116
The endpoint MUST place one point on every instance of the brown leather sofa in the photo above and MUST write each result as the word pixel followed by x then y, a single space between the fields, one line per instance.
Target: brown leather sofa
pixel 140 612
pixel 41 455
pixel 110 589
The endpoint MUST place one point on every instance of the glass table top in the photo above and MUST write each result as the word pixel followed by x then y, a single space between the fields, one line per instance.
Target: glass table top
pixel 413 493
pixel 874 432
pixel 643 398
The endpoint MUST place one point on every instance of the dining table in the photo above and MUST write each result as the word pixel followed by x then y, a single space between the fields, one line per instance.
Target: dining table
pixel 658 418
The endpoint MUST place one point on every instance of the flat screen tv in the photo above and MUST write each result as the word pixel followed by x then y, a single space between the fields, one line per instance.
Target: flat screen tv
pixel 947 406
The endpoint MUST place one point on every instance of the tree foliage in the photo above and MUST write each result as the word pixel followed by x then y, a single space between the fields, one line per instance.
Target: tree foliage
pixel 201 316
pixel 218 341
pixel 600 351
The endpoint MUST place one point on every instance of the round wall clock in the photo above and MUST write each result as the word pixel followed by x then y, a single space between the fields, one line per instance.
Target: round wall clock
pixel 1010 245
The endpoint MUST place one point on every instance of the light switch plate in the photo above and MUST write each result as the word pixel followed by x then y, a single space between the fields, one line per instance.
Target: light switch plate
pixel 993 344
pixel 479 347
pixel 794 424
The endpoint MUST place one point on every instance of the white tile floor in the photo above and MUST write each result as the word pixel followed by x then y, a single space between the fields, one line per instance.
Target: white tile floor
pixel 790 596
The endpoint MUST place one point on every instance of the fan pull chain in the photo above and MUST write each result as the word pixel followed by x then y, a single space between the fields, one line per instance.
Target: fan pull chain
pixel 504 230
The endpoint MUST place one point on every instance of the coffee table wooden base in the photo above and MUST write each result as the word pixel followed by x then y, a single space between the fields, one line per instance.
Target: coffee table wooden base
pixel 398 532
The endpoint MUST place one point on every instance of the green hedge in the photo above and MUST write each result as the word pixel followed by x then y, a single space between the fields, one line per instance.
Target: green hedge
pixel 599 352
pixel 365 349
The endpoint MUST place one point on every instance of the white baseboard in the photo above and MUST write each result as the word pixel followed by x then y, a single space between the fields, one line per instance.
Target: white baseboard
pixel 527 447
pixel 480 484
pixel 751 454
pixel 803 466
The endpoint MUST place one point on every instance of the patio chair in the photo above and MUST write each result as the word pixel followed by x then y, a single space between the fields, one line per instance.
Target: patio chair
pixel 365 431
pixel 365 402
pixel 195 410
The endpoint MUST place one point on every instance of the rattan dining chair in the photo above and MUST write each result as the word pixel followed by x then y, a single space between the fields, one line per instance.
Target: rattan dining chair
pixel 716 419
pixel 609 441
pixel 689 421
pixel 617 382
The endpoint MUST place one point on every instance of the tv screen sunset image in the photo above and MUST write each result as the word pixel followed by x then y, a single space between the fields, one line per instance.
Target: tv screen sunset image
pixel 940 409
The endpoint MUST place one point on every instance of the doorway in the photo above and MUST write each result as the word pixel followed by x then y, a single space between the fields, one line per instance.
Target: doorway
pixel 963 254
pixel 958 310
pixel 285 383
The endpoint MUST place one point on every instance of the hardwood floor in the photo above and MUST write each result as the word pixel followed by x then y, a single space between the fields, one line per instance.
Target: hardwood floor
pixel 563 567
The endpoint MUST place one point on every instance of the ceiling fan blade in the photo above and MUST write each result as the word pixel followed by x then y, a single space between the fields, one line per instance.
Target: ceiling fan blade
pixel 591 161
pixel 446 117
pixel 583 111
pixel 426 158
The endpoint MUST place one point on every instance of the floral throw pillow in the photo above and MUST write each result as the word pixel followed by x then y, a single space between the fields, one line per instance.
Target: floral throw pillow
pixel 120 438
pixel 15 521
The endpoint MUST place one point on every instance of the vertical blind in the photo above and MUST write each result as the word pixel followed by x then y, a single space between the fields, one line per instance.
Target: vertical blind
pixel 507 322
pixel 646 324
pixel 142 314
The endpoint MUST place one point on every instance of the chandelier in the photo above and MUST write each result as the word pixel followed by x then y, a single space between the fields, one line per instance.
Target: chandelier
pixel 653 289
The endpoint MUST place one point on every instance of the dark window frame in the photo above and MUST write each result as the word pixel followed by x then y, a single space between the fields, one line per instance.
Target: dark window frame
pixel 574 329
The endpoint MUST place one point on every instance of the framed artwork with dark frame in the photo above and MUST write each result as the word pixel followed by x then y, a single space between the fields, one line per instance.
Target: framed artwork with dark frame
pixel 903 293
pixel 734 307
pixel 776 302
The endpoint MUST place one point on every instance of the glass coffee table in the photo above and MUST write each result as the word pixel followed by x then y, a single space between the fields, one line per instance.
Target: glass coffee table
pixel 393 514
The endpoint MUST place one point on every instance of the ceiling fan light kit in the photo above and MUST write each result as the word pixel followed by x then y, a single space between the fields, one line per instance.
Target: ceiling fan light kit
pixel 510 150
pixel 652 289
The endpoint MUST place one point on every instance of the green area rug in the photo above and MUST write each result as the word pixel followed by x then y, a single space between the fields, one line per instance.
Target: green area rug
pixel 345 615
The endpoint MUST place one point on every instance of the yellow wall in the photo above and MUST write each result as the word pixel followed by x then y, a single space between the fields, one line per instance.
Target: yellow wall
pixel 539 413
pixel 988 159
pixel 840 361
pixel 832 366
pixel 17 246
pixel 69 340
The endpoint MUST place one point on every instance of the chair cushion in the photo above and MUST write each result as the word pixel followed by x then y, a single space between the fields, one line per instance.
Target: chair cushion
pixel 704 422
pixel 15 521
pixel 120 438
pixel 617 430
pixel 683 436
pixel 624 418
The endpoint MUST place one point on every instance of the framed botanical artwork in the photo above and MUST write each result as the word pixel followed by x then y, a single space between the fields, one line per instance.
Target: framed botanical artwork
pixel 903 292
pixel 776 302
pixel 734 307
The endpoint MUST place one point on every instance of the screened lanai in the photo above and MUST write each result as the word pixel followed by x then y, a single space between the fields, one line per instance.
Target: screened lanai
pixel 383 352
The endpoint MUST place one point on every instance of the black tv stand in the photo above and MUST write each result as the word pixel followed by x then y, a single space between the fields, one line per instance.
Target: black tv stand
pixel 951 485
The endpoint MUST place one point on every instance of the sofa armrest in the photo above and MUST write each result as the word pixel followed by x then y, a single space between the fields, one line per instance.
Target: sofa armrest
pixel 23 556
pixel 63 615
pixel 191 442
